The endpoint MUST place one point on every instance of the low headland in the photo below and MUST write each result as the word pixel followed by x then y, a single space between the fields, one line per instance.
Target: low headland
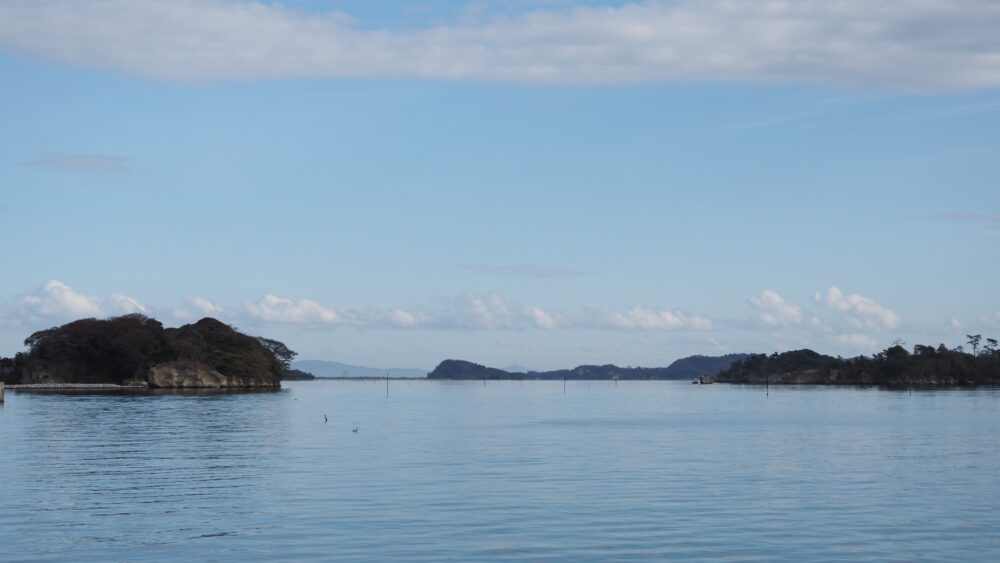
pixel 136 351
pixel 682 369
pixel 894 367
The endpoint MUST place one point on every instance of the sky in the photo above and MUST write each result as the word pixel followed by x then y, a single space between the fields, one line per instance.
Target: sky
pixel 544 183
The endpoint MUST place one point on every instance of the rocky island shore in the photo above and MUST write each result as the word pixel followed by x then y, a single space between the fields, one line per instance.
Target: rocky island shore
pixel 135 351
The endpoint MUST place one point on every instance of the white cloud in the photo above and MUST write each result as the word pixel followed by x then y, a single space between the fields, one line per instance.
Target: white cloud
pixel 125 305
pixel 56 300
pixel 541 317
pixel 861 312
pixel 857 341
pixel 469 312
pixel 276 309
pixel 907 44
pixel 640 318
pixel 403 319
pixel 775 311
pixel 206 307
pixel 197 306
pixel 485 312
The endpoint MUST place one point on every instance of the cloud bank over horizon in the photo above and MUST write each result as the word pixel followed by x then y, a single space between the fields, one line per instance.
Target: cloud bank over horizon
pixel 911 45
pixel 849 321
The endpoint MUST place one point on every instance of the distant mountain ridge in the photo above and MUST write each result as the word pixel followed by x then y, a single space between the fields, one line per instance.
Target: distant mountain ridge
pixel 682 369
pixel 321 368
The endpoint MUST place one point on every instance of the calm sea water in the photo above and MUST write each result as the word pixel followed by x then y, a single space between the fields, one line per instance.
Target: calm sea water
pixel 506 471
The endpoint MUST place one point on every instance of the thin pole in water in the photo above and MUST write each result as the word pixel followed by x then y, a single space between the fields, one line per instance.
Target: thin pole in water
pixel 564 385
pixel 1 392
pixel 386 384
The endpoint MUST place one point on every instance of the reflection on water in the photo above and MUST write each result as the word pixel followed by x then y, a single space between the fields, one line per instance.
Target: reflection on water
pixel 463 471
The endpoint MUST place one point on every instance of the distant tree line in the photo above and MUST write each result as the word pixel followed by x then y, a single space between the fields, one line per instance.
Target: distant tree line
pixel 925 366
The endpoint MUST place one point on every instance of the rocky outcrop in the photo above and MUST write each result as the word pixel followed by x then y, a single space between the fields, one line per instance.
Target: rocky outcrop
pixel 196 375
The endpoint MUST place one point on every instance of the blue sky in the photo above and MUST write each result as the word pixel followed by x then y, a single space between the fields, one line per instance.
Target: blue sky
pixel 541 183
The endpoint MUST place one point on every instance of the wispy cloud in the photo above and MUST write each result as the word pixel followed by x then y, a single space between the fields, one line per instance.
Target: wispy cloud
pixel 987 219
pixel 917 45
pixel 195 306
pixel 774 310
pixel 851 322
pixel 56 301
pixel 858 341
pixel 524 270
pixel 100 164
pixel 272 308
pixel 642 318
pixel 471 312
pixel 861 311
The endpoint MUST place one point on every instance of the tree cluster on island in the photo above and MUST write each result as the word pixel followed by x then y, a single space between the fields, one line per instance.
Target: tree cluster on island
pixel 684 368
pixel 137 350
pixel 896 366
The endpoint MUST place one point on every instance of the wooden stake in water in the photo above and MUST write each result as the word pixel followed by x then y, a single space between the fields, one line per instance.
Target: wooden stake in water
pixel 1 392
pixel 386 384
pixel 564 385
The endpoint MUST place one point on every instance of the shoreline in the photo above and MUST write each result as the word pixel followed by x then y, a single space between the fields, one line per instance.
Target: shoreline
pixel 72 386
pixel 110 387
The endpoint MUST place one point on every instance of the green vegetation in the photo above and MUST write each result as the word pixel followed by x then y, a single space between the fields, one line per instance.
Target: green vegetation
pixel 297 375
pixel 124 350
pixel 895 366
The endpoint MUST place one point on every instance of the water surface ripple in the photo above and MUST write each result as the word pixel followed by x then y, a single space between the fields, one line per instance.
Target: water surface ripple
pixel 504 471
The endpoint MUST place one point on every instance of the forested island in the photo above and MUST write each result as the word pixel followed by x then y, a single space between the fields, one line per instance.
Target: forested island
pixel 896 366
pixel 136 350
pixel 685 368
pixel 925 366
